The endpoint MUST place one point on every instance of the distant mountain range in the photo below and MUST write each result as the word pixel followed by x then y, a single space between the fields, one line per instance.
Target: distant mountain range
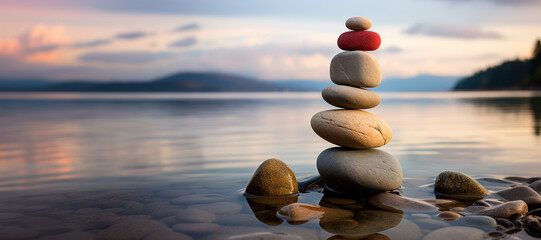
pixel 218 82
pixel 510 75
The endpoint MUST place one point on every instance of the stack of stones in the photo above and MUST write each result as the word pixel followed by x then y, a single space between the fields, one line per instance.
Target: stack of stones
pixel 355 168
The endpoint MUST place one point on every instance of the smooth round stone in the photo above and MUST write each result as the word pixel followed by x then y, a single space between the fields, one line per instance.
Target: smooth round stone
pixel 478 221
pixel 351 128
pixel 536 186
pixel 195 215
pixel 166 235
pixel 350 97
pixel 449 216
pixel 355 68
pixel 219 207
pixel 359 40
pixel 197 198
pixel 358 23
pixel 406 230
pixel 131 228
pixel 430 223
pixel 300 212
pixel 367 223
pixel 265 236
pixel 462 233
pixel 507 210
pixel 196 227
pixel 273 178
pixel 165 210
pixel 526 194
pixel 17 233
pixel 533 226
pixel 394 202
pixel 459 186
pixel 70 236
pixel 359 171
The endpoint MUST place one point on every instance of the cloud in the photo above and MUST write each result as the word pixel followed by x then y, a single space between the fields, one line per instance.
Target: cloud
pixel 393 50
pixel 93 43
pixel 132 35
pixel 185 42
pixel 40 43
pixel 131 57
pixel 187 27
pixel 451 31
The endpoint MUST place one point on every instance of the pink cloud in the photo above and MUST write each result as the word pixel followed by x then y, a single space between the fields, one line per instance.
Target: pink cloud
pixel 40 43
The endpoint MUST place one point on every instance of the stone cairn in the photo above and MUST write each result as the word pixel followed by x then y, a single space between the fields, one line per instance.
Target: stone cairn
pixel 355 168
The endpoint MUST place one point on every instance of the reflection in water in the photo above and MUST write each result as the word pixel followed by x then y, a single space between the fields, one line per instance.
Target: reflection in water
pixel 514 106
pixel 364 223
pixel 265 208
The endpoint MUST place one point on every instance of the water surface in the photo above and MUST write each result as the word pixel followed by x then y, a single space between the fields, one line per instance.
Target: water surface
pixel 57 147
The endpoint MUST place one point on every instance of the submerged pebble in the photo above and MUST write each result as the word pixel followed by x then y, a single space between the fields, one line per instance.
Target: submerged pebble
pixel 196 227
pixel 478 221
pixel 394 202
pixel 507 210
pixel 300 212
pixel 195 215
pixel 462 233
pixel 526 194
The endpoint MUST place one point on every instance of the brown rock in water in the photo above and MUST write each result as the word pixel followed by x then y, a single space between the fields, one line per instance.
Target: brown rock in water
pixel 300 212
pixel 533 226
pixel 456 185
pixel 526 194
pixel 265 208
pixel 394 202
pixel 536 186
pixel 273 178
pixel 449 216
pixel 507 210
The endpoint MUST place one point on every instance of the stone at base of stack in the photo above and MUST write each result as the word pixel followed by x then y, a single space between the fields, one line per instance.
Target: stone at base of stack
pixel 350 169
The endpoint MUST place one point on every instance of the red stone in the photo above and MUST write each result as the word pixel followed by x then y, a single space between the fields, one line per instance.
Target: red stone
pixel 359 40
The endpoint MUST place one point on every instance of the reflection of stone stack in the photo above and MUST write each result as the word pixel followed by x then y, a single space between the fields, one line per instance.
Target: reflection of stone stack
pixel 349 170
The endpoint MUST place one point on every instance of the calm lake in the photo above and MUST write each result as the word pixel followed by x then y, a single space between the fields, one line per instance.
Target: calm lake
pixel 75 163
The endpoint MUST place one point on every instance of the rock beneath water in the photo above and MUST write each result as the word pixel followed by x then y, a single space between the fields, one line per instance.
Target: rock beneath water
pixel 359 40
pixel 456 185
pixel 166 235
pixel 265 208
pixel 219 207
pixel 350 97
pixel 351 128
pixel 197 198
pixel 462 233
pixel 536 186
pixel 296 212
pixel 406 230
pixel 478 221
pixel 358 23
pixel 533 226
pixel 394 202
pixel 526 194
pixel 507 210
pixel 359 171
pixel 70 236
pixel 134 228
pixel 265 236
pixel 196 227
pixel 355 68
pixel 17 233
pixel 364 223
pixel 195 215
pixel 312 183
pixel 449 216
pixel 273 178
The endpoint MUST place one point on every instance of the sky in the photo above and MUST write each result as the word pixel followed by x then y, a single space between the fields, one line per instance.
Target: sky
pixel 136 40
